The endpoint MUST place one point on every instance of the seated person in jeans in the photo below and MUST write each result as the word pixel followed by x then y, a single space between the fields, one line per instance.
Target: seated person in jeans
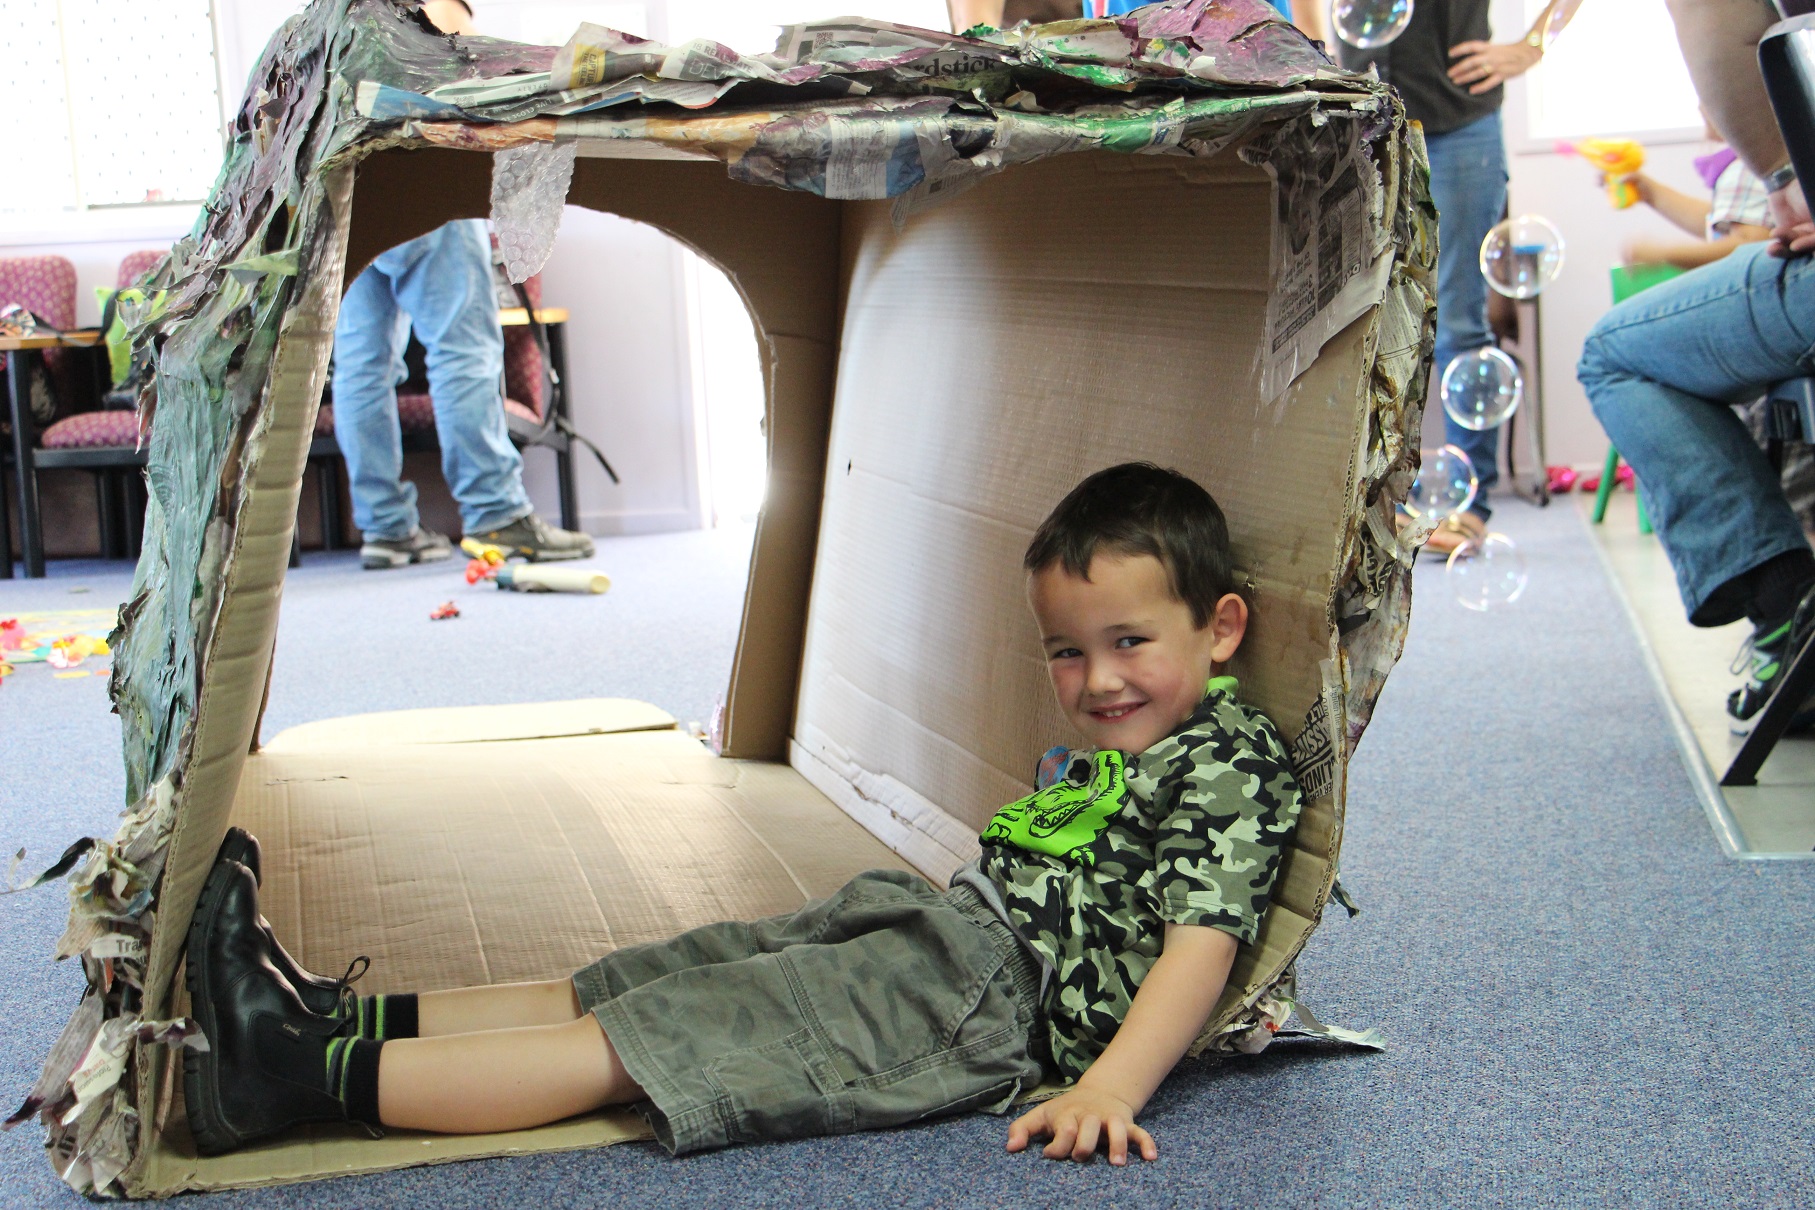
pixel 1663 368
pixel 1091 939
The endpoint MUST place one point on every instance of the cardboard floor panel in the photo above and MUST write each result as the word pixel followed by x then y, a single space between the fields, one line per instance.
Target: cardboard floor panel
pixel 470 863
pixel 473 724
pixel 1775 818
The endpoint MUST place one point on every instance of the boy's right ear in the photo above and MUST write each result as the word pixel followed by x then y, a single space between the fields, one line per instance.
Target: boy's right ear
pixel 1229 625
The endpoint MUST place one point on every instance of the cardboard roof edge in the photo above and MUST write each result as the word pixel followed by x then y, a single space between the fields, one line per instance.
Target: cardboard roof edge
pixel 241 335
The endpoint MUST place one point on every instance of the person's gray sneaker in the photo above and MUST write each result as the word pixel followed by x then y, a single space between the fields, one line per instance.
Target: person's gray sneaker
pixel 537 540
pixel 423 546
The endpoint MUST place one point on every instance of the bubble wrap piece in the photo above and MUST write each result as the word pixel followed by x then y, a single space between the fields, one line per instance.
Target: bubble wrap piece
pixel 529 187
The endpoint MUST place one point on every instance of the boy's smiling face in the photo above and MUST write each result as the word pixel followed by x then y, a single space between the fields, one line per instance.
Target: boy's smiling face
pixel 1127 663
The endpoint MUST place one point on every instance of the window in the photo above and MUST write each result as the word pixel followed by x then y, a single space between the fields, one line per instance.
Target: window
pixel 111 103
pixel 1615 70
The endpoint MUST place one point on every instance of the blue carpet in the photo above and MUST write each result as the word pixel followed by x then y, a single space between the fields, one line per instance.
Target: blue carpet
pixel 1586 1005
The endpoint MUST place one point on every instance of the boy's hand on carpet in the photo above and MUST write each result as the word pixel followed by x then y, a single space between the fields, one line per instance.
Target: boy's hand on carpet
pixel 1079 1121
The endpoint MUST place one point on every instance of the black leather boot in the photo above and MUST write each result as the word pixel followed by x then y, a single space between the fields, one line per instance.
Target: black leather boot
pixel 262 1073
pixel 319 994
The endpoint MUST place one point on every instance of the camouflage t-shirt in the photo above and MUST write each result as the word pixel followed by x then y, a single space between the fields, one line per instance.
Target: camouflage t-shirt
pixel 1094 865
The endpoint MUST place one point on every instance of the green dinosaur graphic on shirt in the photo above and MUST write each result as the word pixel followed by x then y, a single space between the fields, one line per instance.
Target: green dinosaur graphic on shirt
pixel 1065 817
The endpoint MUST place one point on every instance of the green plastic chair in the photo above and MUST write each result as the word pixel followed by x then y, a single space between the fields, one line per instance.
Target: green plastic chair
pixel 1627 281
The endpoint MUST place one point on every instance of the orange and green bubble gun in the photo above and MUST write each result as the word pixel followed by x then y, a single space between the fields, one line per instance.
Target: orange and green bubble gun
pixel 488 563
pixel 1618 159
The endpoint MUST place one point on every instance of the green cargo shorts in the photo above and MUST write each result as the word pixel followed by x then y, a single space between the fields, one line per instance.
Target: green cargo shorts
pixel 887 1003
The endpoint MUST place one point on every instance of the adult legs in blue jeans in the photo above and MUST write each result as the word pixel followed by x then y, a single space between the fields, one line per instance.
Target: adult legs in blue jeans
pixel 1661 371
pixel 441 284
pixel 1468 185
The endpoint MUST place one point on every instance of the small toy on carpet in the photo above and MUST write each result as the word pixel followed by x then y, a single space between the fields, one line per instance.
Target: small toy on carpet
pixel 488 563
pixel 62 639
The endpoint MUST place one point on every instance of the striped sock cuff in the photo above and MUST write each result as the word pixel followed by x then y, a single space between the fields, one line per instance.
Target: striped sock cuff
pixel 359 1080
pixel 381 1017
pixel 352 1074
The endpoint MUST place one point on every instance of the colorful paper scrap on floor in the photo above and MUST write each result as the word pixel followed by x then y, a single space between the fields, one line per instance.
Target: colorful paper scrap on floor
pixel 62 638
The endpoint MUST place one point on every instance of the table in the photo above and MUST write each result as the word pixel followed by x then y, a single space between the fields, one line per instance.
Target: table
pixel 23 352
pixel 516 317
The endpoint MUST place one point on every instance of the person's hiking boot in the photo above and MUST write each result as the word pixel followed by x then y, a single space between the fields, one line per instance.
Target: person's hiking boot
pixel 320 995
pixel 422 546
pixel 537 540
pixel 263 1071
pixel 1770 653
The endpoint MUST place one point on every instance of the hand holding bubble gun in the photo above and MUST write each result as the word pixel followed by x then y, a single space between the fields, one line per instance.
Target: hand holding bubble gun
pixel 1618 159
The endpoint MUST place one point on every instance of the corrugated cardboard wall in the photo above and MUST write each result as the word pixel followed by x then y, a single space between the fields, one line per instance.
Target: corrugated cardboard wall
pixel 1061 318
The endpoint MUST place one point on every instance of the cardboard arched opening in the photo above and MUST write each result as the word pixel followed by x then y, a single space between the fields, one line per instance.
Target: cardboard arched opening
pixel 781 250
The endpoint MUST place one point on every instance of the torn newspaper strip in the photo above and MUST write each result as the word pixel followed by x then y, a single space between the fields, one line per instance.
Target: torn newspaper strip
pixel 1329 256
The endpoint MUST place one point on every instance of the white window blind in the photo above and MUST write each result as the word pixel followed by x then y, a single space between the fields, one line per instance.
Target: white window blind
pixel 1615 70
pixel 120 100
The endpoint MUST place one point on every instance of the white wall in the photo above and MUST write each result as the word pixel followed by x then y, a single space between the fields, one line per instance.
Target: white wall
pixel 630 386
pixel 1562 188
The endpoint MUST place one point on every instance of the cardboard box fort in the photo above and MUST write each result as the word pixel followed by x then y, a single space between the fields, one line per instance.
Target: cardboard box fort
pixel 970 291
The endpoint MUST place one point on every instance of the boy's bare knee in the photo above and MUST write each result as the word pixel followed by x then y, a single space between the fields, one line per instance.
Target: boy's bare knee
pixel 573 998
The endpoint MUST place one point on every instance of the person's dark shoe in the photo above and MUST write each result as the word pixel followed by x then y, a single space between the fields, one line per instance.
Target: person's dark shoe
pixel 263 1070
pixel 537 540
pixel 1770 652
pixel 321 995
pixel 422 546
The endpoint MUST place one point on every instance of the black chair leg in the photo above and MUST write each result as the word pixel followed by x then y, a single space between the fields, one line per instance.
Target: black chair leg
pixel 327 488
pixel 108 510
pixel 133 503
pixel 31 533
pixel 570 502
pixel 295 547
pixel 6 533
pixel 1797 684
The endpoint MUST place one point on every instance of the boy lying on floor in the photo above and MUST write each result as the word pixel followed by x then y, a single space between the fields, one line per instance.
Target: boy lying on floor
pixel 1090 940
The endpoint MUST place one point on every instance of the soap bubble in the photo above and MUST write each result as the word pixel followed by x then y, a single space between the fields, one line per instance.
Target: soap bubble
pixel 1521 256
pixel 1486 573
pixel 1370 23
pixel 1481 388
pixel 1446 484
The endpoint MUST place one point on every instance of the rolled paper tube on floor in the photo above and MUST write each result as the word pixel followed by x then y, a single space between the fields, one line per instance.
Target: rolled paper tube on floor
pixel 534 577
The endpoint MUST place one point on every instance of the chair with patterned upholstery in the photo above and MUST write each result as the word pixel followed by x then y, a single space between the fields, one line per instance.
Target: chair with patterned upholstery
pixel 58 427
pixel 137 265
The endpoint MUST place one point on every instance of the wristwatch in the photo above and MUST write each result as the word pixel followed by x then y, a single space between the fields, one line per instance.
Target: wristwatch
pixel 1780 179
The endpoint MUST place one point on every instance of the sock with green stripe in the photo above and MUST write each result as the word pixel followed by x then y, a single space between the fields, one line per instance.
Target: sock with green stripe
pixel 344 1067
pixel 351 1070
pixel 381 1017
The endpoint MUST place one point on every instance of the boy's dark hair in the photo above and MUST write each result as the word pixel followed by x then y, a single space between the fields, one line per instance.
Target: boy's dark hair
pixel 1138 508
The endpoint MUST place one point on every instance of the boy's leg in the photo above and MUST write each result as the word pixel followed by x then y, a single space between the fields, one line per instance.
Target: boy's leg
pixel 901 1003
pixel 503 1006
pixel 504 1079
pixel 706 945
pixel 272 1064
